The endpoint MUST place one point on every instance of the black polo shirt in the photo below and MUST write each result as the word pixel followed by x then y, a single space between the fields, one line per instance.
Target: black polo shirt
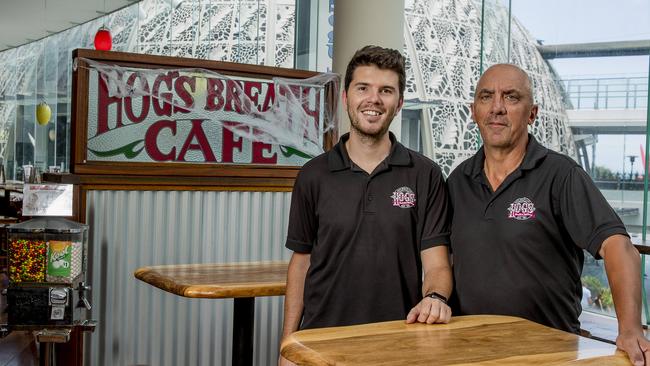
pixel 519 250
pixel 365 233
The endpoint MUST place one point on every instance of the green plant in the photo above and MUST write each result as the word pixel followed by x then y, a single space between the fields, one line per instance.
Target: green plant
pixel 593 284
pixel 606 299
pixel 601 294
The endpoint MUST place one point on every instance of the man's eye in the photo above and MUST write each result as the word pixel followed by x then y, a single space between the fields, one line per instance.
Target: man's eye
pixel 512 98
pixel 387 91
pixel 485 97
pixel 361 88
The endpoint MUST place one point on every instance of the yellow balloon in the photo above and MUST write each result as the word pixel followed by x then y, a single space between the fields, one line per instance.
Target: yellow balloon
pixel 43 113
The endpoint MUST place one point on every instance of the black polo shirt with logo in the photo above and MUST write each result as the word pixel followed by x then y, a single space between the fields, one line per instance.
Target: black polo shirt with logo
pixel 519 250
pixel 365 233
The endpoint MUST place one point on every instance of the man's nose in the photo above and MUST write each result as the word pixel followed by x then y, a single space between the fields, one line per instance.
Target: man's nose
pixel 498 105
pixel 373 96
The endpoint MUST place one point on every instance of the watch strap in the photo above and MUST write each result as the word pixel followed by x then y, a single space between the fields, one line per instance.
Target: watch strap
pixel 435 295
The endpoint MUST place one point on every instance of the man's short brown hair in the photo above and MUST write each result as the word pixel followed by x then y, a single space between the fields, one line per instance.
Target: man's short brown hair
pixel 383 58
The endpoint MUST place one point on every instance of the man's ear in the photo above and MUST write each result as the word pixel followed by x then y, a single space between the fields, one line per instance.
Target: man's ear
pixel 400 104
pixel 533 114
pixel 344 98
pixel 471 110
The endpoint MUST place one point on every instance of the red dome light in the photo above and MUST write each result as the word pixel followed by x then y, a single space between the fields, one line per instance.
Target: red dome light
pixel 103 39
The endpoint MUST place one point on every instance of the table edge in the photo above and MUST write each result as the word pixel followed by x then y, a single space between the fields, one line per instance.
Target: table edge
pixel 294 350
pixel 152 276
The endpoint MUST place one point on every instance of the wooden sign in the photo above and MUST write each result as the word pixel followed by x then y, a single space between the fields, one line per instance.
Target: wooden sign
pixel 151 115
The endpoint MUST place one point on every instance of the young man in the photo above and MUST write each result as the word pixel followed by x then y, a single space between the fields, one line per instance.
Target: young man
pixel 368 217
pixel 522 215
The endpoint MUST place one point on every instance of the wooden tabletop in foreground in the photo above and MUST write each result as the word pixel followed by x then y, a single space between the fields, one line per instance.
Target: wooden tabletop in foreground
pixel 466 340
pixel 217 281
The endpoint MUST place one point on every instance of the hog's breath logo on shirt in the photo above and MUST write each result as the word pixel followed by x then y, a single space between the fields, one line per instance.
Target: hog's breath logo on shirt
pixel 403 197
pixel 521 209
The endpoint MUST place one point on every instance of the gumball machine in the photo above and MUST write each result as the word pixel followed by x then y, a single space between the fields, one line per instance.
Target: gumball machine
pixel 47 291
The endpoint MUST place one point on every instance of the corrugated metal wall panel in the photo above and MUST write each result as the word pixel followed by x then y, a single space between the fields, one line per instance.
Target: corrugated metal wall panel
pixel 141 325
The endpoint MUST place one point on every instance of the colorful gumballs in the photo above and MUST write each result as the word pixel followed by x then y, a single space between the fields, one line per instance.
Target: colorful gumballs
pixel 27 260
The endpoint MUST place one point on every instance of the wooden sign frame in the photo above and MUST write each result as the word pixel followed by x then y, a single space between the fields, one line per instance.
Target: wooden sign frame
pixel 80 165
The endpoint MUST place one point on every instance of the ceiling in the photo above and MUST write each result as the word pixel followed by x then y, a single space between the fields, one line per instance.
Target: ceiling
pixel 24 21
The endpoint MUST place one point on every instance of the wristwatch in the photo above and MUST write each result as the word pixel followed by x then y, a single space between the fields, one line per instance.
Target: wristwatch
pixel 435 295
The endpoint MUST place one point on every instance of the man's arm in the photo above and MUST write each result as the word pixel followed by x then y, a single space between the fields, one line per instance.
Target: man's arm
pixel 622 264
pixel 293 300
pixel 437 278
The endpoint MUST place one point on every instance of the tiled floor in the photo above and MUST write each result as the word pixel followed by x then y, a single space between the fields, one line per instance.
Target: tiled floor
pixel 18 349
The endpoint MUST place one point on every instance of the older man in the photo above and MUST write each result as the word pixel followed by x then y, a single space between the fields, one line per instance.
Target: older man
pixel 522 215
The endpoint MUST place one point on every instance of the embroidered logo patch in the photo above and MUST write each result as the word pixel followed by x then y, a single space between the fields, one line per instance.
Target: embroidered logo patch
pixel 403 197
pixel 522 209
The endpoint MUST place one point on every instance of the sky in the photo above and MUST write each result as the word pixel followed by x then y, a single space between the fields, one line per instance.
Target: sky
pixel 583 21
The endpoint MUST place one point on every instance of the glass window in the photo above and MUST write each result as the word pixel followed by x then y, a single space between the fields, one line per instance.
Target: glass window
pixel 605 93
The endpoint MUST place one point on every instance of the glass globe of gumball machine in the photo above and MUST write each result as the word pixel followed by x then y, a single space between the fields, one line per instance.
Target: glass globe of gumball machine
pixel 47 292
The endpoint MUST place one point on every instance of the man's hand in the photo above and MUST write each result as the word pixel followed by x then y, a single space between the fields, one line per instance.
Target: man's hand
pixel 437 277
pixel 429 311
pixel 636 346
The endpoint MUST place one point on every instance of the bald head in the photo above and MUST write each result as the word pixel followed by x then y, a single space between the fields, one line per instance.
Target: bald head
pixel 508 72
pixel 503 108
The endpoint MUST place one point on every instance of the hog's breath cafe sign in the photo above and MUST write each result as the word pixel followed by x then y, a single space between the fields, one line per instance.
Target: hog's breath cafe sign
pixel 186 116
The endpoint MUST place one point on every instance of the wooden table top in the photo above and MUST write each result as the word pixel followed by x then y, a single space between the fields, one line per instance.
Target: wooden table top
pixel 218 280
pixel 466 340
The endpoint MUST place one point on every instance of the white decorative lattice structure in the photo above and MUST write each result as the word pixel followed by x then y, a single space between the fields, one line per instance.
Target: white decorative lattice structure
pixel 443 47
pixel 243 31
pixel 251 32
